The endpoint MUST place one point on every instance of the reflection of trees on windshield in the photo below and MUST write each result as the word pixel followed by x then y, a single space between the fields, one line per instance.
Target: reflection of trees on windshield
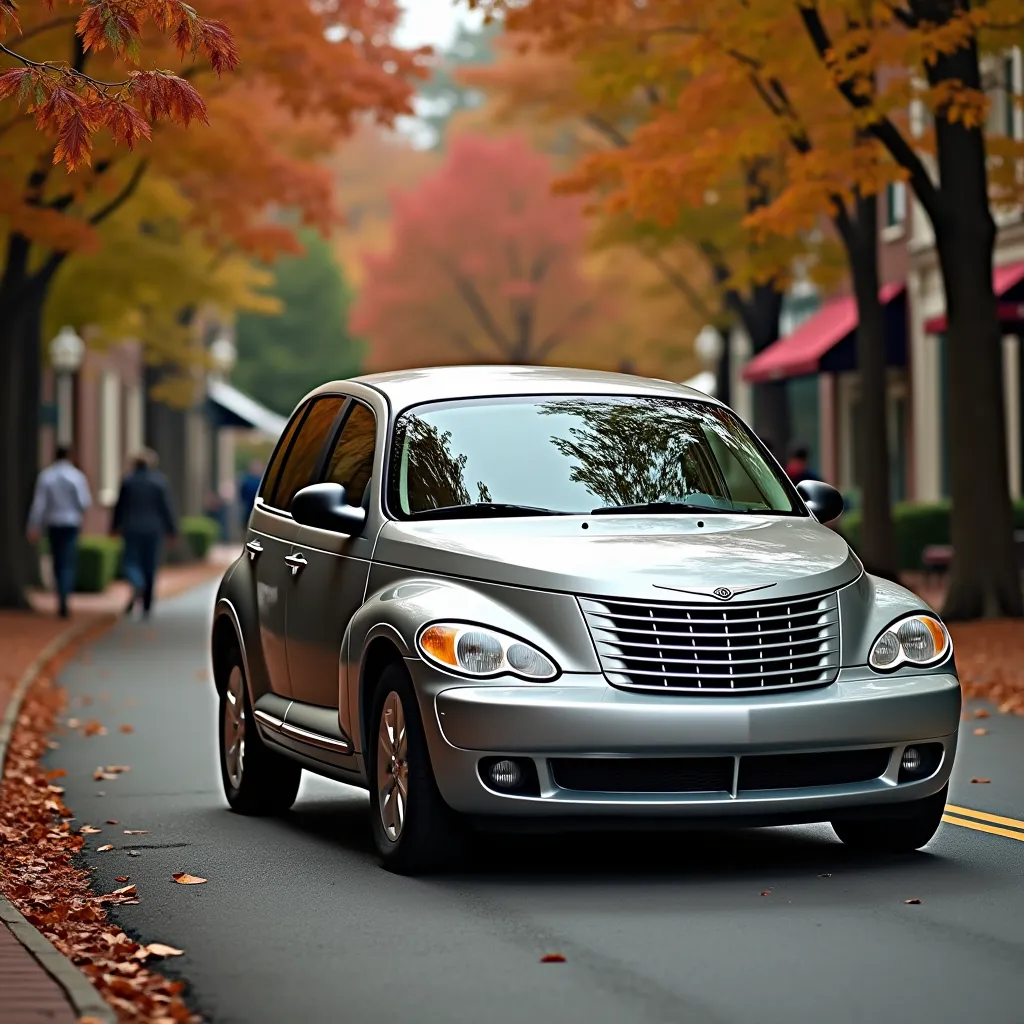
pixel 436 473
pixel 636 451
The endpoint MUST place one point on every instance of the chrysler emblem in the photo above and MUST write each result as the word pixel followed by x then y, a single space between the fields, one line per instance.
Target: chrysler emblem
pixel 722 593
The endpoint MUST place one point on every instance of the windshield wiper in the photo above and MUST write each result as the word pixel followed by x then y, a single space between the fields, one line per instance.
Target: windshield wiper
pixel 483 509
pixel 659 506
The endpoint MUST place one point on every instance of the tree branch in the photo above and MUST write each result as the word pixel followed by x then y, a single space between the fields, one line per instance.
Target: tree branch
pixel 123 196
pixel 479 309
pixel 882 128
pixel 48 26
pixel 607 129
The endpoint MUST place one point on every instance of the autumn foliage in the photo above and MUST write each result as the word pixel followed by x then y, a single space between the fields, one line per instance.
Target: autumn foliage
pixel 484 264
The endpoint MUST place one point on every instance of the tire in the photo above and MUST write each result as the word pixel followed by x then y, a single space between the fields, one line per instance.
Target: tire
pixel 257 781
pixel 902 830
pixel 414 830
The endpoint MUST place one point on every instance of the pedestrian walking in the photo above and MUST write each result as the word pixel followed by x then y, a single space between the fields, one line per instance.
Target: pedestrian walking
pixel 798 468
pixel 58 505
pixel 144 517
pixel 248 488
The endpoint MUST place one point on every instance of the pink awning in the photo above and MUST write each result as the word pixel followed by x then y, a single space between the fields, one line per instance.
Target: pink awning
pixel 1003 279
pixel 801 352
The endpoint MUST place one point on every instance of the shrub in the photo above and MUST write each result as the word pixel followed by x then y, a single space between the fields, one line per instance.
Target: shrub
pixel 917 527
pixel 98 560
pixel 198 535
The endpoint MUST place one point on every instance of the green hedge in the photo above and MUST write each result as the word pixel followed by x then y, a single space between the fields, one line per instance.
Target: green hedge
pixel 198 535
pixel 98 562
pixel 917 527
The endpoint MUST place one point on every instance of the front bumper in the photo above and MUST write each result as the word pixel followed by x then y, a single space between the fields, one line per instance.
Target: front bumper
pixel 582 716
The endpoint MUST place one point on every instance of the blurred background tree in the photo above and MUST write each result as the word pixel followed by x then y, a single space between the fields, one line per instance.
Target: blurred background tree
pixel 286 354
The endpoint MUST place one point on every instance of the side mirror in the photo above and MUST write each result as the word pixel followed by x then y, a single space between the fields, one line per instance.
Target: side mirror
pixel 824 501
pixel 326 507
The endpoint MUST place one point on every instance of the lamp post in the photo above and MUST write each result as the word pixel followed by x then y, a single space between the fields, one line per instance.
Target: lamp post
pixel 223 356
pixel 710 348
pixel 66 353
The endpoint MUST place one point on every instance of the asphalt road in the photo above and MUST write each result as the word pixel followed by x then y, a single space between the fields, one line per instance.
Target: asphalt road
pixel 298 923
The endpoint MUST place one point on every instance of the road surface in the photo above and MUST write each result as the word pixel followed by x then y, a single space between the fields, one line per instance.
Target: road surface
pixel 297 922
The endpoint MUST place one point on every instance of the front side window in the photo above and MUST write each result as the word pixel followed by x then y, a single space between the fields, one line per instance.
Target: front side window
pixel 351 461
pixel 579 455
pixel 300 458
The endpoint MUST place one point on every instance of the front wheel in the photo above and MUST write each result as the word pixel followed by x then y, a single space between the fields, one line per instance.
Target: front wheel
pixel 257 781
pixel 902 831
pixel 414 830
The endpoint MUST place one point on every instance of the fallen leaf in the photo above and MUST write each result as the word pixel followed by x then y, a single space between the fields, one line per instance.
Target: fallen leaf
pixel 983 782
pixel 552 958
pixel 133 853
pixel 101 776
pixel 981 713
pixel 94 728
pixel 766 892
pixel 88 830
pixel 57 773
pixel 184 878
pixel 111 821
pixel 981 732
pixel 103 849
pixel 73 723
pixel 912 901
pixel 122 878
pixel 159 949
pixel 135 832
pixel 127 890
pixel 827 874
pixel 125 727
pixel 117 769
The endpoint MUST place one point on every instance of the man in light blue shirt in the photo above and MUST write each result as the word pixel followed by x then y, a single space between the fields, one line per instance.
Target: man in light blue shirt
pixel 61 498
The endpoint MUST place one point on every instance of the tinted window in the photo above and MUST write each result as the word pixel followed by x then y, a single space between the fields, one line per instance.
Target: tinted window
pixel 270 476
pixel 575 454
pixel 351 462
pixel 300 460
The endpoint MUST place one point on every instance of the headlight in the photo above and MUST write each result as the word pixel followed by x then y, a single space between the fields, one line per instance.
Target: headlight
pixel 477 651
pixel 915 640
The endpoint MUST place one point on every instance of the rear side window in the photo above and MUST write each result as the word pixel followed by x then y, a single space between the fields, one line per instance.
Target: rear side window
pixel 351 461
pixel 300 457
pixel 266 491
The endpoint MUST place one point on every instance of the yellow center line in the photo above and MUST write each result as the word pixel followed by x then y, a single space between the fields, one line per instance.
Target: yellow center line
pixel 966 812
pixel 979 826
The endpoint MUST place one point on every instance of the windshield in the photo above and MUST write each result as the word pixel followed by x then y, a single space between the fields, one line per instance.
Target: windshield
pixel 577 455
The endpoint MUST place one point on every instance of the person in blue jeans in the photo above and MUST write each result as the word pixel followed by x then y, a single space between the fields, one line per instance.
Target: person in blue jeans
pixel 60 500
pixel 144 517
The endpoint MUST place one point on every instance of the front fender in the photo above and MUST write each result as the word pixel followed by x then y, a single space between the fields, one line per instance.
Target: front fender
pixel 400 603
pixel 866 608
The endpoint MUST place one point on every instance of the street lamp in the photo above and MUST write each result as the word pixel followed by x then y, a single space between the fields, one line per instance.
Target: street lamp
pixel 709 347
pixel 223 356
pixel 66 353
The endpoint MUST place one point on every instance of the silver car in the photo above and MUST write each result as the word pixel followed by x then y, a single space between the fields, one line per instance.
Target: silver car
pixel 510 596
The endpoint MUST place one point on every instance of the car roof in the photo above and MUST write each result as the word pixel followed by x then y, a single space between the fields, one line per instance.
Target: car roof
pixel 404 388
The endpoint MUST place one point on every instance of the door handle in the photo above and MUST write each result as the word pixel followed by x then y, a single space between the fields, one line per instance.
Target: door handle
pixel 255 548
pixel 297 562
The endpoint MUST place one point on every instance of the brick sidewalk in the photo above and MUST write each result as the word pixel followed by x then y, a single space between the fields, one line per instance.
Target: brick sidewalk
pixel 28 994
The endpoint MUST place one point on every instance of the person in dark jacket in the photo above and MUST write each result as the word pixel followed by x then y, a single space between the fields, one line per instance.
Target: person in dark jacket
pixel 143 516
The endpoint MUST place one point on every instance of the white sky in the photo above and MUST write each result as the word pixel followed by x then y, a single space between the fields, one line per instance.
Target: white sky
pixel 431 22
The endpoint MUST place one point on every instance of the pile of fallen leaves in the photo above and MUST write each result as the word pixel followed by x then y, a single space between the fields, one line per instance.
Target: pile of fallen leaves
pixel 990 659
pixel 37 874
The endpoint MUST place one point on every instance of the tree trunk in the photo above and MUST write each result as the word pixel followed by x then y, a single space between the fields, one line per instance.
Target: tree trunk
pixel 985 580
pixel 20 360
pixel 878 539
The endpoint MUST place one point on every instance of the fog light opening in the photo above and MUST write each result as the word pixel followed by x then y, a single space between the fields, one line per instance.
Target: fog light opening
pixel 911 760
pixel 505 774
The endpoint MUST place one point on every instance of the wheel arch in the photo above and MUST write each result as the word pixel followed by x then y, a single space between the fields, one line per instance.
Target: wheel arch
pixel 226 639
pixel 381 651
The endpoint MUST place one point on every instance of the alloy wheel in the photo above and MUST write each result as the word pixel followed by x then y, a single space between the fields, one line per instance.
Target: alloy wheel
pixel 234 727
pixel 392 767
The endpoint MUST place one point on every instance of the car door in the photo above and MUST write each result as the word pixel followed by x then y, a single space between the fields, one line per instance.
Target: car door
pixel 333 582
pixel 272 531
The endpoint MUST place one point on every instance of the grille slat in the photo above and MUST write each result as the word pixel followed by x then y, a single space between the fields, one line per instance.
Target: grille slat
pixel 698 648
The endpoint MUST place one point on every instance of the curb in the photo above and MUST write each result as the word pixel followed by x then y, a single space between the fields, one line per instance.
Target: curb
pixel 84 999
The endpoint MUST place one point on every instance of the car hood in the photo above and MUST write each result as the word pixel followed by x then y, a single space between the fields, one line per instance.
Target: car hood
pixel 644 557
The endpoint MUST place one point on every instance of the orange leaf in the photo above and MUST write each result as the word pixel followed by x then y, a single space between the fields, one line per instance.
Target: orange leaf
pixel 912 901
pixel 103 849
pixel 552 958
pixel 121 878
pixel 125 727
pixel 981 732
pixel 127 890
pixel 981 713
pixel 183 878
pixel 88 830
pixel 981 781
pixel 159 949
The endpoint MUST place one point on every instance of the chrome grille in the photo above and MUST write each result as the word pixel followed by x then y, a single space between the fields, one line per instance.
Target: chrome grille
pixel 705 648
